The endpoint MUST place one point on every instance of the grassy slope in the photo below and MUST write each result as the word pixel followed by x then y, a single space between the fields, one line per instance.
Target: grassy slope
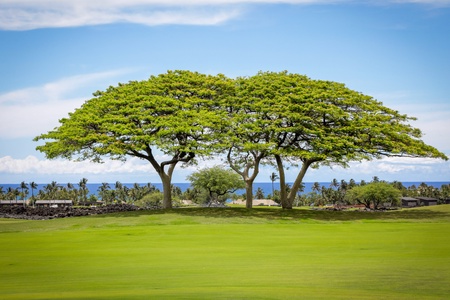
pixel 264 253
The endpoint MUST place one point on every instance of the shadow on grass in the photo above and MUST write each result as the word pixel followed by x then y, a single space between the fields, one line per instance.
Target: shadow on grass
pixel 278 214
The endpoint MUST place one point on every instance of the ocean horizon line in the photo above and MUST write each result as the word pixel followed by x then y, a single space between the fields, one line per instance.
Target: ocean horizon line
pixel 261 182
pixel 266 187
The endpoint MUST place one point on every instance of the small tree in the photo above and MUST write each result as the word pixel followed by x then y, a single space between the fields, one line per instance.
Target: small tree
pixel 151 201
pixel 374 194
pixel 218 182
pixel 259 193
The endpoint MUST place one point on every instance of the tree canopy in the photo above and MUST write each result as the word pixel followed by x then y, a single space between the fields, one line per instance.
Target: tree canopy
pixel 173 112
pixel 374 194
pixel 280 118
pixel 218 182
pixel 316 122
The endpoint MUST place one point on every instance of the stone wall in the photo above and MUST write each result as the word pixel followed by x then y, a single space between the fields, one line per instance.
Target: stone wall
pixel 44 213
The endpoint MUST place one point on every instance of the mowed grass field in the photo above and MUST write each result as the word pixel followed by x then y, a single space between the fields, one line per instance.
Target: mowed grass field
pixel 232 253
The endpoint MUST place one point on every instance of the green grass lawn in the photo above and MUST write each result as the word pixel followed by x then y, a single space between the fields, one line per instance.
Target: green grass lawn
pixel 234 253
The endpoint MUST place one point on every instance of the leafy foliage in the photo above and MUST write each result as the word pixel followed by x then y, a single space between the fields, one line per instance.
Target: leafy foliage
pixel 218 182
pixel 280 118
pixel 174 112
pixel 316 122
pixel 374 194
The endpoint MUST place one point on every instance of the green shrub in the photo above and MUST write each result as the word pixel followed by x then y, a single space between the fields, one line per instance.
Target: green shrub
pixel 151 201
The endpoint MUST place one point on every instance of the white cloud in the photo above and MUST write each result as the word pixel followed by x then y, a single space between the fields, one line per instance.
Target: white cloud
pixel 32 111
pixel 27 15
pixel 396 164
pixel 390 169
pixel 31 167
pixel 33 14
pixel 32 164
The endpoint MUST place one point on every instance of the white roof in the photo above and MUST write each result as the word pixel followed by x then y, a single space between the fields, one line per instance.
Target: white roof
pixel 53 201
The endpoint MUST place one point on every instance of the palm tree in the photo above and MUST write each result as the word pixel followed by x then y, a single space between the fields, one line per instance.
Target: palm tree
pixel 316 187
pixel 23 186
pixel 103 192
pixel 273 177
pixel 334 183
pixel 351 183
pixel 33 186
pixel 83 189
pixel 259 193
pixel 326 194
pixel 121 192
pixel 344 185
pixel 72 192
pixel 52 190
pixel 11 193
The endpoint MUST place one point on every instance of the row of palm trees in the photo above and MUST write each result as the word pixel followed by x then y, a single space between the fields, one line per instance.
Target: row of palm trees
pixel 79 193
pixel 119 193
pixel 335 192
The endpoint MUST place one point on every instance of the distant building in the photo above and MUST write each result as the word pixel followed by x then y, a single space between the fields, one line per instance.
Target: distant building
pixel 54 203
pixel 264 202
pixel 427 201
pixel 257 202
pixel 13 202
pixel 187 202
pixel 409 202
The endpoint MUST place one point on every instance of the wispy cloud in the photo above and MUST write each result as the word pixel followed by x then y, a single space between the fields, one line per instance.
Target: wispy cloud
pixel 34 110
pixel 33 14
pixel 415 169
pixel 389 168
pixel 27 15
pixel 32 164
pixel 32 167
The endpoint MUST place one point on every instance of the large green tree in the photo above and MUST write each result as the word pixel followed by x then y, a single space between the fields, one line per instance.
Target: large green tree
pixel 315 122
pixel 175 112
pixel 248 137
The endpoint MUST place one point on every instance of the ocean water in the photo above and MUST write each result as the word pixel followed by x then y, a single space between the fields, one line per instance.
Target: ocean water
pixel 265 186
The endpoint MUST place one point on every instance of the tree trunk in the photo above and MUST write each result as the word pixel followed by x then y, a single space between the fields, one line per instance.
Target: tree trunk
pixel 249 193
pixel 245 174
pixel 167 191
pixel 297 183
pixel 283 196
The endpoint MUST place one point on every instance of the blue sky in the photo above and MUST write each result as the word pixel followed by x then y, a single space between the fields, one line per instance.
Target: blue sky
pixel 55 54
